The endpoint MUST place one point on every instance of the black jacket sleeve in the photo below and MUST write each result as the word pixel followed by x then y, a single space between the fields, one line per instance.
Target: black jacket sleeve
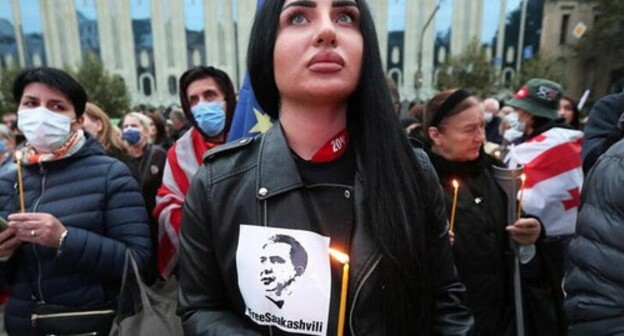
pixel 602 129
pixel 450 315
pixel 203 302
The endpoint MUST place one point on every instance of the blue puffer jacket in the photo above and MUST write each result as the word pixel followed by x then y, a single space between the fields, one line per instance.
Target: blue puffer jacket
pixel 595 283
pixel 97 200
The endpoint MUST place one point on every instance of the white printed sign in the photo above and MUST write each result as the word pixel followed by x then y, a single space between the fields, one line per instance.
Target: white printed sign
pixel 284 277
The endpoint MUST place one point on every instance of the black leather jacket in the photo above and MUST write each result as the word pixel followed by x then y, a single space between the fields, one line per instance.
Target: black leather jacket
pixel 256 182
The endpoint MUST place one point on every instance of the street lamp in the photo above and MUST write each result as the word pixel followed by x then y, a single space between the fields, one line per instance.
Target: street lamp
pixel 419 75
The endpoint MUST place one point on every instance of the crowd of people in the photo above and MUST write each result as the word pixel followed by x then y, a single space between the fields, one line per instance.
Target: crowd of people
pixel 436 242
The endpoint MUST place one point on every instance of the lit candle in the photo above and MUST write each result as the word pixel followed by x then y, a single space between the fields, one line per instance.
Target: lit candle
pixel 455 193
pixel 343 259
pixel 522 179
pixel 20 182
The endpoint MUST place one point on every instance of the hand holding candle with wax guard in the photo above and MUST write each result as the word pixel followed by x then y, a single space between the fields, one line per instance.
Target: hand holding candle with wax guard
pixel 454 207
pixel 344 260
pixel 20 181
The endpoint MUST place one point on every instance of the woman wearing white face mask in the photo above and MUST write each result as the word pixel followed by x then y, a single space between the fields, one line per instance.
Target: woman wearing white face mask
pixel 64 248
pixel 146 163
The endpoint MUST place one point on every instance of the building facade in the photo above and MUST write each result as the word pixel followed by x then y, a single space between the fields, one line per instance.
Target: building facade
pixel 149 43
pixel 602 74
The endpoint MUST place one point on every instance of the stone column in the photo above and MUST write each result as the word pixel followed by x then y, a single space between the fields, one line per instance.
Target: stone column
pixel 60 30
pixel 246 13
pixel 179 38
pixel 105 35
pixel 161 52
pixel 19 38
pixel 71 43
pixel 228 47
pixel 51 35
pixel 500 40
pixel 167 22
pixel 467 21
pixel 120 43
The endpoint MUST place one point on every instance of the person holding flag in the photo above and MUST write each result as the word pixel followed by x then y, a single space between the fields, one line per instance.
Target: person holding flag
pixel 335 171
pixel 551 156
pixel 208 100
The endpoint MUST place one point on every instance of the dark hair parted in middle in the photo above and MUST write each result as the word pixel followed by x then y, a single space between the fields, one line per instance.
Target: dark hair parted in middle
pixel 56 79
pixel 395 199
pixel 223 82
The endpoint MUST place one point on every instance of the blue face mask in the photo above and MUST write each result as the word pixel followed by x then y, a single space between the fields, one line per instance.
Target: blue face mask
pixel 131 135
pixel 210 117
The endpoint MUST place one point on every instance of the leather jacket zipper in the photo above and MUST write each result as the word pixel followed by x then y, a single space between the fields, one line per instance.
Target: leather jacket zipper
pixel 34 246
pixel 358 290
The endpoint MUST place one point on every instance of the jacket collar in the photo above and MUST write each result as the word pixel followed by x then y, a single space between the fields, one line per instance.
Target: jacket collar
pixel 277 171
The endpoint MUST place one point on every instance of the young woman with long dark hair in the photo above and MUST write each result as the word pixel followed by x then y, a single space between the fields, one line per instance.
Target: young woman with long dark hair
pixel 335 171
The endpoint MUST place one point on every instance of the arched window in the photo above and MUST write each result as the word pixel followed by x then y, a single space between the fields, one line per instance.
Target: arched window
pixel 146 81
pixel 173 85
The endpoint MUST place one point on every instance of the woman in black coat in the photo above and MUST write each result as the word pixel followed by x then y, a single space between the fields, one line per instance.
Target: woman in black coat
pixel 481 249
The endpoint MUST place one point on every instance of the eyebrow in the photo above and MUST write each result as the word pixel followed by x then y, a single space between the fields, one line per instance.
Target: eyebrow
pixel 300 3
pixel 51 100
pixel 312 4
pixel 344 3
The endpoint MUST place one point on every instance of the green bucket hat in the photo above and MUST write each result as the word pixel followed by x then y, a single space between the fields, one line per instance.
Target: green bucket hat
pixel 539 97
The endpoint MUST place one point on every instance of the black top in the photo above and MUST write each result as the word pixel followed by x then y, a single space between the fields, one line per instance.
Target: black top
pixel 331 183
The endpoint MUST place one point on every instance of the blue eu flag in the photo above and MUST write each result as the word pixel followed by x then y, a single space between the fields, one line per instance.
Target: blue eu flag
pixel 249 119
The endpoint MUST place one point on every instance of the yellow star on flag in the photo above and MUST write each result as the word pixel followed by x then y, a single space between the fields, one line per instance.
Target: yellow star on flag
pixel 263 122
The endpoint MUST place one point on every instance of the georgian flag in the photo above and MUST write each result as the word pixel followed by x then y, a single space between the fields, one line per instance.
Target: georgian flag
pixel 183 160
pixel 552 165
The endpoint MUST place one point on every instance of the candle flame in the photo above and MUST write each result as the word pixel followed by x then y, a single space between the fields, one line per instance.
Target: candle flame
pixel 455 184
pixel 341 257
pixel 523 177
pixel 18 155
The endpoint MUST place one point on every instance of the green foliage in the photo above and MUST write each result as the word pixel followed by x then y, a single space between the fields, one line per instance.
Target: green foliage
pixel 109 92
pixel 469 70
pixel 540 67
pixel 605 35
pixel 7 77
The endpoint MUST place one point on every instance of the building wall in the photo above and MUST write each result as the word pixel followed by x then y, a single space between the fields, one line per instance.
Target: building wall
pixel 151 59
pixel 581 74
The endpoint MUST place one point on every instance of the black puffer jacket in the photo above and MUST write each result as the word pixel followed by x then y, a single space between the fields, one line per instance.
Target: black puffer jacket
pixel 256 182
pixel 595 283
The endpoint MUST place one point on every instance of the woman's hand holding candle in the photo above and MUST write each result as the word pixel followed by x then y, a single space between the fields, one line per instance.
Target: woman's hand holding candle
pixel 37 228
pixel 525 231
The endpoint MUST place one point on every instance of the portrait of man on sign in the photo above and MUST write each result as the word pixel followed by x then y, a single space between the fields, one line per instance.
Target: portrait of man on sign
pixel 283 259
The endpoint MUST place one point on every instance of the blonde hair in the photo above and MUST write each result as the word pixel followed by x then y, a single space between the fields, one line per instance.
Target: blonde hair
pixel 145 122
pixel 107 136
